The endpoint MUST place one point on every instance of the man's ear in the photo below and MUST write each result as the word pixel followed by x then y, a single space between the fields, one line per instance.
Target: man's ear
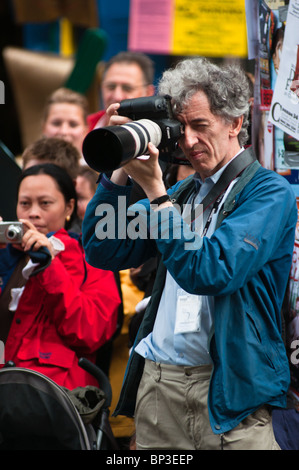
pixel 236 126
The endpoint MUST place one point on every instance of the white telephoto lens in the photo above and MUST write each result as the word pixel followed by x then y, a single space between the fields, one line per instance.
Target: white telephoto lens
pixel 143 132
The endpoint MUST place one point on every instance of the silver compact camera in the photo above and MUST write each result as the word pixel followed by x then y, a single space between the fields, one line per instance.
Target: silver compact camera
pixel 11 232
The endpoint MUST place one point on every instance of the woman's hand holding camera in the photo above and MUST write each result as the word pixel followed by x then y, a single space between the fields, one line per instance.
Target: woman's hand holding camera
pixel 33 239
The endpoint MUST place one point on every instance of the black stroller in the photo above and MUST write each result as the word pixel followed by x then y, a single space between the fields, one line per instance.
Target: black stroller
pixel 37 414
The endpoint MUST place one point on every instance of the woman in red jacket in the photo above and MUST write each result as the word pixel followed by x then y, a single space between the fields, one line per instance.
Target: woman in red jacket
pixel 65 311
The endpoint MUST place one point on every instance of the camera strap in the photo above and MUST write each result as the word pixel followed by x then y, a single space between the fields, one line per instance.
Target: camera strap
pixel 211 202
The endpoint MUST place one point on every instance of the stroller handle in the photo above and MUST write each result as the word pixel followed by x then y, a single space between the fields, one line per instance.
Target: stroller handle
pixel 100 376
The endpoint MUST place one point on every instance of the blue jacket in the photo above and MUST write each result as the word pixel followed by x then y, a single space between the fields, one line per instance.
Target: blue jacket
pixel 244 265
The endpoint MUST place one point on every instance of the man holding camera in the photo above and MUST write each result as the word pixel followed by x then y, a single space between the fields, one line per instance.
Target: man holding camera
pixel 209 361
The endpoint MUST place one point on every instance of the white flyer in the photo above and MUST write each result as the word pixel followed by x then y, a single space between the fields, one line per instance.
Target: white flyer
pixel 284 112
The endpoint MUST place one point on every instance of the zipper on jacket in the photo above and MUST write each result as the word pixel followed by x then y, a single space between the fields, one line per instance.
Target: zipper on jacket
pixel 221 441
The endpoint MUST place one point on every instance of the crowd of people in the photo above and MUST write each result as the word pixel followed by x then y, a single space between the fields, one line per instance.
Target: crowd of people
pixel 191 313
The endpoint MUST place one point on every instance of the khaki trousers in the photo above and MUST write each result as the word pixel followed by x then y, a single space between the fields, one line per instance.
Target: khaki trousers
pixel 171 413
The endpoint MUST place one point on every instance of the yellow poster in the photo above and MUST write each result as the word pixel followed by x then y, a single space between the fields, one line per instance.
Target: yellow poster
pixel 212 28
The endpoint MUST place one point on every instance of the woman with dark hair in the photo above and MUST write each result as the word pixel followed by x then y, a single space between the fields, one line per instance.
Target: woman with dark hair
pixel 69 309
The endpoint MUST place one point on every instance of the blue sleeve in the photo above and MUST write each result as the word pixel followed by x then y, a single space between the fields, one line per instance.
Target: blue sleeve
pixel 106 225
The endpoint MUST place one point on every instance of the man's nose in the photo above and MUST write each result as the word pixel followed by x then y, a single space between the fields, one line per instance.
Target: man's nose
pixel 64 128
pixel 189 138
pixel 119 94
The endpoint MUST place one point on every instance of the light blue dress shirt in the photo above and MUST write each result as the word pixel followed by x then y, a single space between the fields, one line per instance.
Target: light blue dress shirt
pixel 163 345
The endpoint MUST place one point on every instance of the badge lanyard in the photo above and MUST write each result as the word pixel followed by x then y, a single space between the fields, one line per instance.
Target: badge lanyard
pixel 212 212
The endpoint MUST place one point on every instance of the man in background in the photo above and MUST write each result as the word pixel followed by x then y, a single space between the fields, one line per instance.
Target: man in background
pixel 126 75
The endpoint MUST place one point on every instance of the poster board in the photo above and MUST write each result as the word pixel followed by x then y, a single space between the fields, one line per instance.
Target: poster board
pixel 188 27
pixel 284 112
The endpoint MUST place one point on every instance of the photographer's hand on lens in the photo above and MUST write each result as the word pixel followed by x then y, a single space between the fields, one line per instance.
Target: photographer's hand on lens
pixel 146 172
pixel 33 239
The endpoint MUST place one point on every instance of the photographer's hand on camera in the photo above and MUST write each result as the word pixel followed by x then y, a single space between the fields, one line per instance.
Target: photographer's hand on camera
pixel 33 239
pixel 145 171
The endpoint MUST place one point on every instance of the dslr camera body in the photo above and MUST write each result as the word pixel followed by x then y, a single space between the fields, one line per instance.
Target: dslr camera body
pixel 11 232
pixel 108 148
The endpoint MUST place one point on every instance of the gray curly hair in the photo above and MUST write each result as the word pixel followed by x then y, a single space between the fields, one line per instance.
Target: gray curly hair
pixel 226 87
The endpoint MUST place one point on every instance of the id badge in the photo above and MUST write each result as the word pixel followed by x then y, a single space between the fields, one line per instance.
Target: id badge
pixel 188 313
